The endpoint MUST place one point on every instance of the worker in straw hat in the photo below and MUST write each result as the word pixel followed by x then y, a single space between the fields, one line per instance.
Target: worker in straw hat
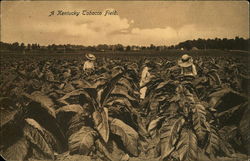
pixel 89 64
pixel 188 69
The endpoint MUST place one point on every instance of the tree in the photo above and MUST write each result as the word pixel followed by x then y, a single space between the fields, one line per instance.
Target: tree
pixel 29 47
pixel 119 47
pixel 15 46
pixel 152 46
pixel 22 47
pixel 128 48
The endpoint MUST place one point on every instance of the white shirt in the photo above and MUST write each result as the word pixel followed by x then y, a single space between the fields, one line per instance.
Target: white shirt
pixel 189 71
pixel 88 65
pixel 145 76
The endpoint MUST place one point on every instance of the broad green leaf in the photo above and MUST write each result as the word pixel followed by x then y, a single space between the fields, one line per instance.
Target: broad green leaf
pixel 70 108
pixel 244 128
pixel 227 114
pixel 18 151
pixel 169 135
pixel 213 141
pixel 187 147
pixel 215 77
pixel 219 98
pixel 124 96
pixel 47 121
pixel 100 84
pixel 44 100
pixel 118 92
pixel 109 88
pixel 120 88
pixel 153 124
pixel 164 84
pixel 199 119
pixel 228 132
pixel 82 141
pixel 92 92
pixel 128 135
pixel 77 92
pixel 129 85
pixel 75 123
pixel 8 116
pixel 201 156
pixel 102 147
pixel 81 83
pixel 226 147
pixel 35 134
pixel 68 88
pixel 101 123
pixel 111 150
pixel 121 100
pixel 11 125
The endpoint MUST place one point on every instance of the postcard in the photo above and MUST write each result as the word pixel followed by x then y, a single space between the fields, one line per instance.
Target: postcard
pixel 124 80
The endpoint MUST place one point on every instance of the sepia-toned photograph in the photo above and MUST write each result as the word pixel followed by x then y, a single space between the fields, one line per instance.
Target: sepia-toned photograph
pixel 124 80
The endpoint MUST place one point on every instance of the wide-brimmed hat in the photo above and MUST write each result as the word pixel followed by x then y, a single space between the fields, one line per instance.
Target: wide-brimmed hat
pixel 185 61
pixel 47 63
pixel 90 56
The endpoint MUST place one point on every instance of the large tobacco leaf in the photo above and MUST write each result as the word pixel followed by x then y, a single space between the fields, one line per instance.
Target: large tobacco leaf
pixel 109 88
pixel 228 132
pixel 128 135
pixel 225 99
pixel 100 118
pixel 127 84
pixel 75 108
pixel 18 151
pixel 153 125
pixel 120 100
pixel 82 141
pixel 187 147
pixel 199 121
pixel 213 141
pixel 76 92
pixel 122 93
pixel 245 130
pixel 36 135
pixel 44 100
pixel 110 151
pixel 75 123
pixel 169 135
pixel 48 122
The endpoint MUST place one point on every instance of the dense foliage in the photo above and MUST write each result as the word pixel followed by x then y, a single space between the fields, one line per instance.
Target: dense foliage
pixel 51 109
pixel 230 44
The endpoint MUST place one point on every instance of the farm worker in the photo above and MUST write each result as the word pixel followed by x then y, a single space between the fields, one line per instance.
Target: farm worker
pixel 67 74
pixel 145 78
pixel 187 66
pixel 89 64
pixel 47 73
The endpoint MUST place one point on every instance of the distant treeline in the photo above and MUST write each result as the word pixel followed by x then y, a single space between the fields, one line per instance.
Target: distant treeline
pixel 217 43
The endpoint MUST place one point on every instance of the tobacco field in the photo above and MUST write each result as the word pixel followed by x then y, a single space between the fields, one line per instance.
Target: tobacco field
pixel 52 110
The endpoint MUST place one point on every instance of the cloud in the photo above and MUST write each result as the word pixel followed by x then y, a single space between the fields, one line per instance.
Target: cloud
pixel 161 23
pixel 90 30
pixel 93 30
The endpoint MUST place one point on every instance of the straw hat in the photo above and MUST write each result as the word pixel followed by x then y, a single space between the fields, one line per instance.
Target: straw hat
pixel 90 56
pixel 47 63
pixel 185 61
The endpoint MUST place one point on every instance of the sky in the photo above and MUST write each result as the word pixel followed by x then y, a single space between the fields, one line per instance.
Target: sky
pixel 135 22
